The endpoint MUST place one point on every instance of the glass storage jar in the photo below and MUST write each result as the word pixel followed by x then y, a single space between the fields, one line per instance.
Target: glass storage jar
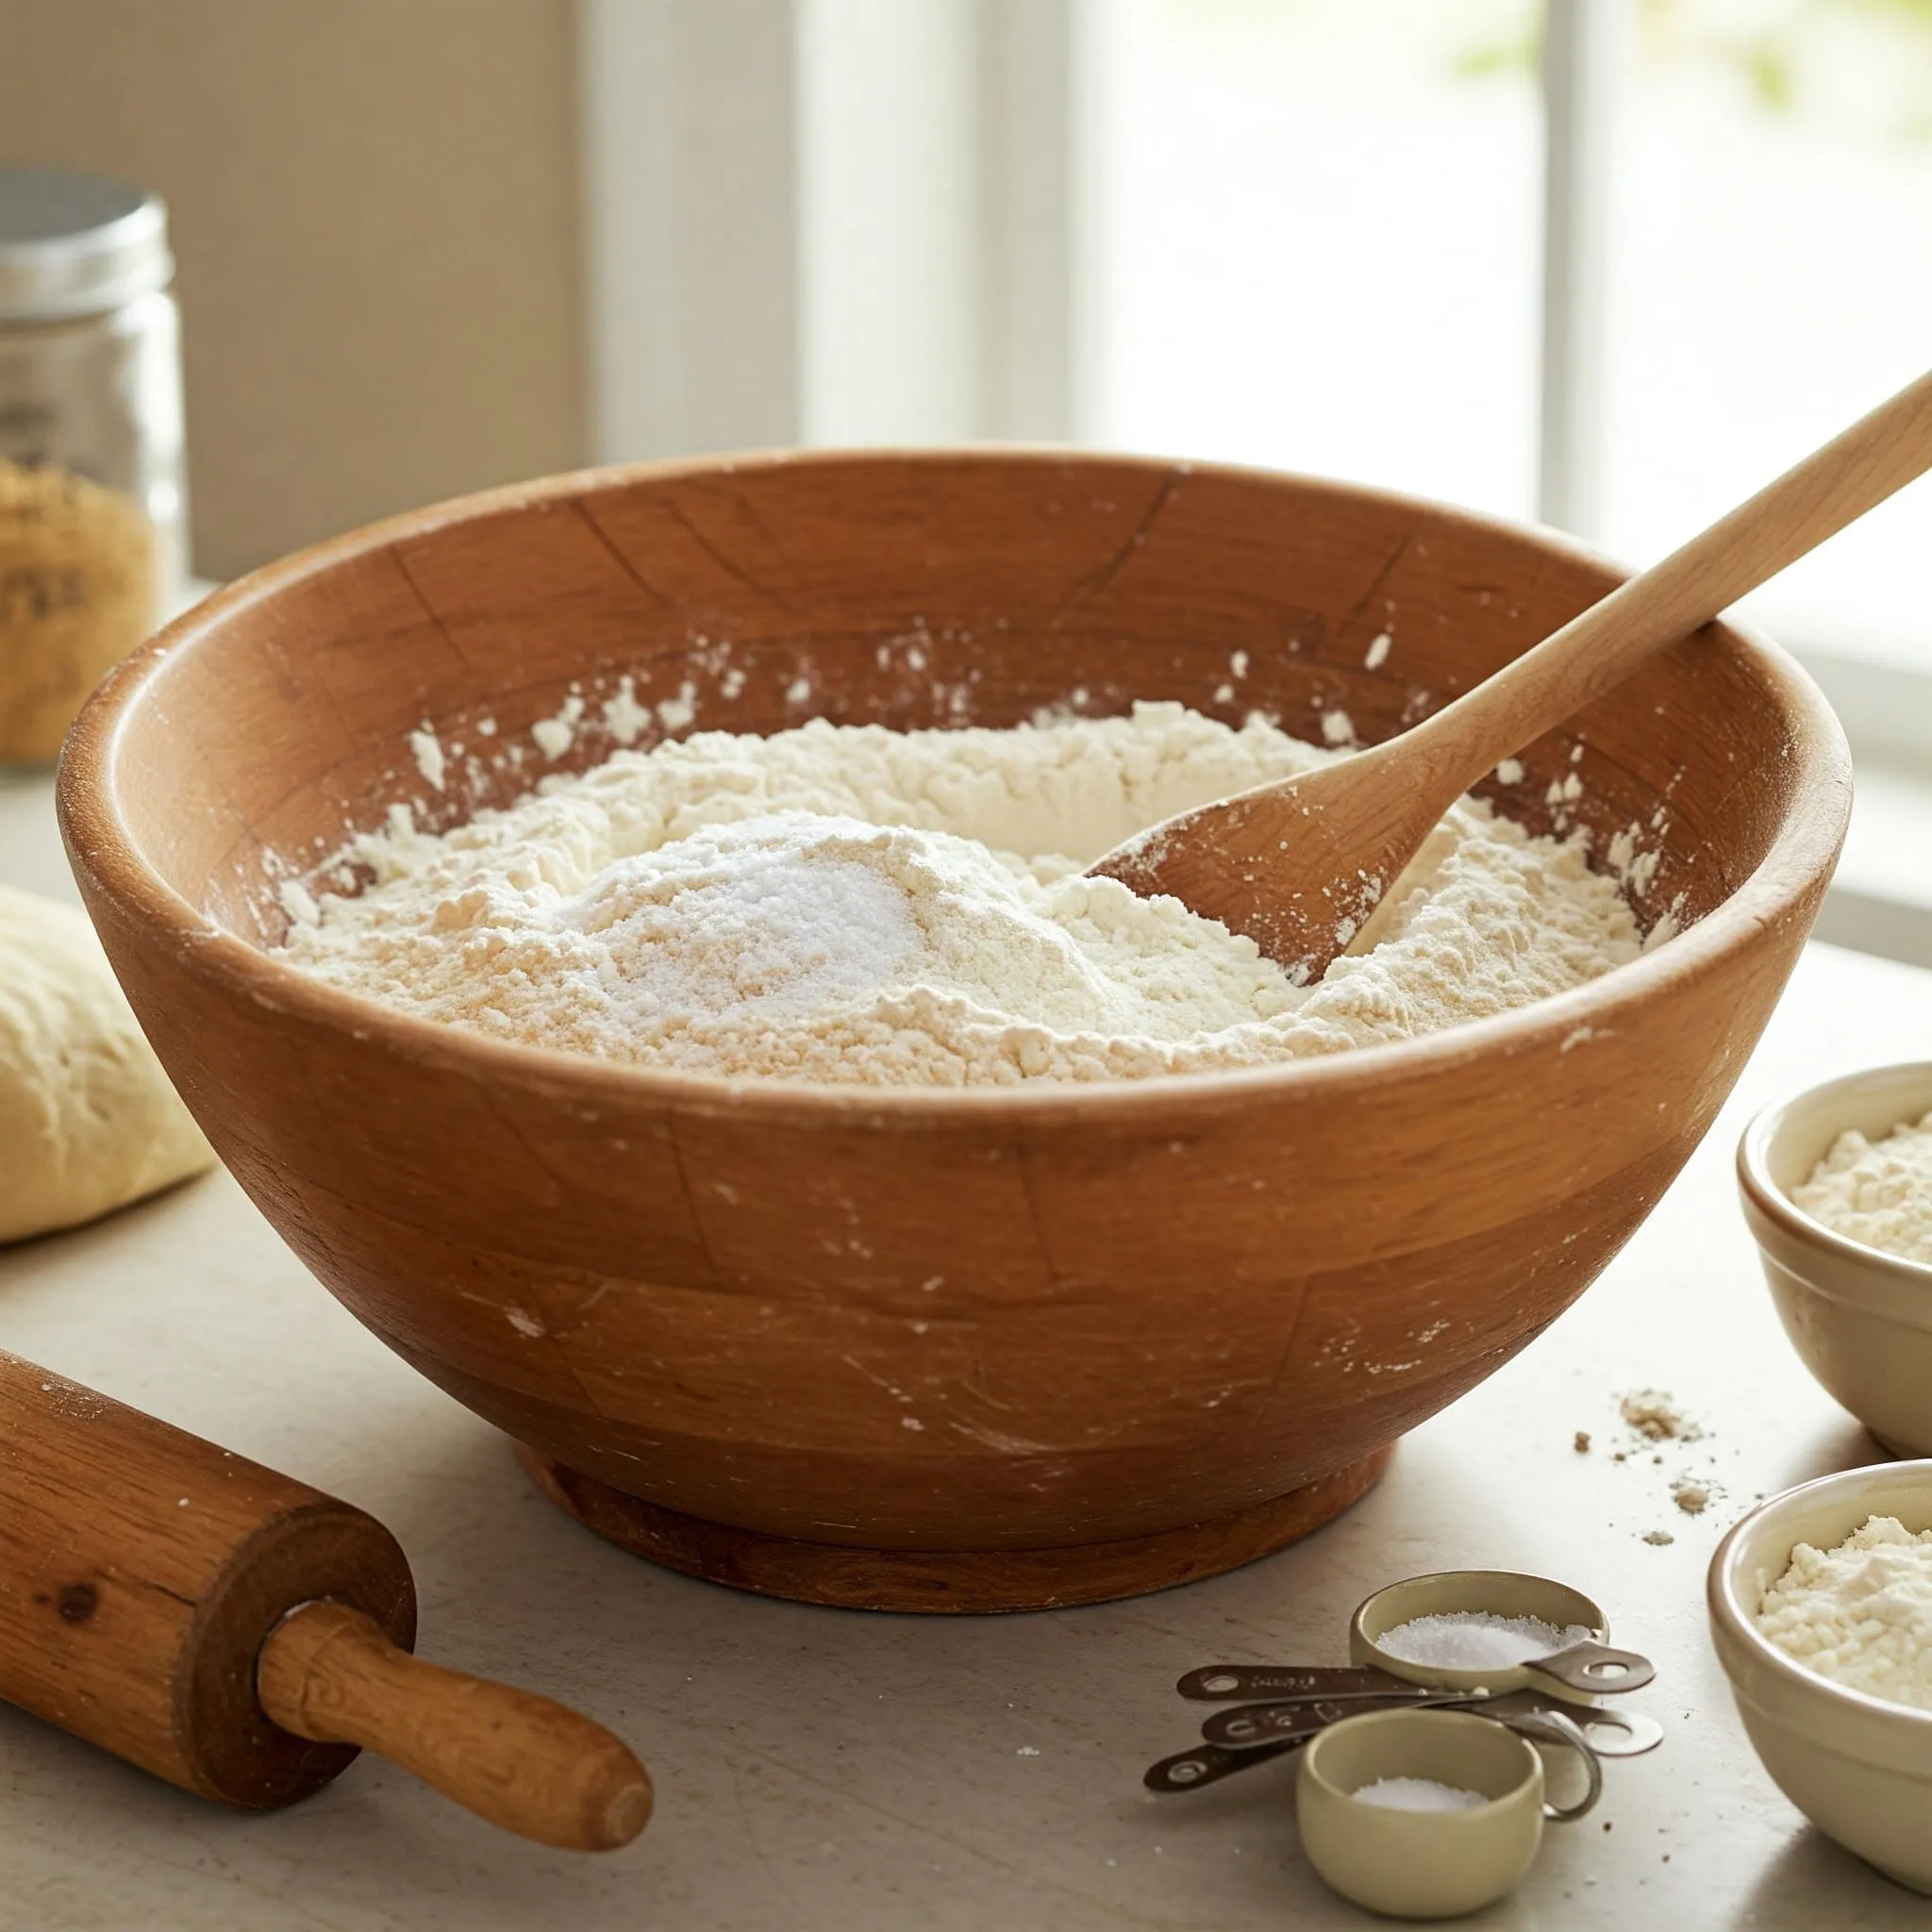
pixel 93 534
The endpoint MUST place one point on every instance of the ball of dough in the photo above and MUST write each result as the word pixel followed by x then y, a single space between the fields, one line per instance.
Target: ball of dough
pixel 88 1120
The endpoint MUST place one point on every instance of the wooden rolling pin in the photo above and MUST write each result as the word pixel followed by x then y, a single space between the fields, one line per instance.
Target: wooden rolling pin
pixel 242 1635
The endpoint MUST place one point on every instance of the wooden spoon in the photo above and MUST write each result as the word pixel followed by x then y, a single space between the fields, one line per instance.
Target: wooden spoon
pixel 1299 865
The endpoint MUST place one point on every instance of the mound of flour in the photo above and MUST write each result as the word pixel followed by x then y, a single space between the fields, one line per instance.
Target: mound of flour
pixel 1860 1612
pixel 1877 1192
pixel 853 903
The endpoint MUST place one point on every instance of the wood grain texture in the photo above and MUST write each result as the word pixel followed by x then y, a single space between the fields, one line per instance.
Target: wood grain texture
pixel 951 1582
pixel 527 1764
pixel 1301 865
pixel 1112 1311
pixel 140 1568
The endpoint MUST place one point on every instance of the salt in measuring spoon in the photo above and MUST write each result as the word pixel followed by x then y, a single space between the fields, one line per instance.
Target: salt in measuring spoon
pixel 1592 1666
pixel 1589 1665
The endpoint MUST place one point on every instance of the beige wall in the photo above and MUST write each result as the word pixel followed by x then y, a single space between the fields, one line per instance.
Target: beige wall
pixel 374 209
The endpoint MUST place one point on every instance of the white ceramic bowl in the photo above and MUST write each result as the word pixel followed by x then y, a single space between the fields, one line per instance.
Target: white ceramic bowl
pixel 1859 1318
pixel 1859 1768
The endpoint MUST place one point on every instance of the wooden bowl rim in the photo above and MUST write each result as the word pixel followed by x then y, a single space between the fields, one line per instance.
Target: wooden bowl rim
pixel 99 842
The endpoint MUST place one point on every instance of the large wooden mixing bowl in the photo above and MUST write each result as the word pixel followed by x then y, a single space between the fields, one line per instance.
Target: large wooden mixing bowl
pixel 933 1349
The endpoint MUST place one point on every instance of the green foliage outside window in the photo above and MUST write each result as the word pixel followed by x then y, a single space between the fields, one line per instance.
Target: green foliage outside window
pixel 1864 65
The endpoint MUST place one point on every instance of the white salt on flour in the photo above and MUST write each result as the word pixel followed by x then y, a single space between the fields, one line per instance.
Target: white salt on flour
pixel 853 903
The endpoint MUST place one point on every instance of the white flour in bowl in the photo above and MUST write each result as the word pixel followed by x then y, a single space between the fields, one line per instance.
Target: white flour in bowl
pixel 853 903
pixel 1859 1613
pixel 1877 1192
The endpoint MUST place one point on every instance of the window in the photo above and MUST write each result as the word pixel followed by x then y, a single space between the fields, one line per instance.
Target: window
pixel 1318 241
pixel 1316 238
pixel 1320 245
pixel 1771 235
pixel 1614 263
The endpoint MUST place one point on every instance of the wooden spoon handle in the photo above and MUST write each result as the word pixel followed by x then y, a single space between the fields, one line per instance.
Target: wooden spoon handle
pixel 328 1673
pixel 1836 485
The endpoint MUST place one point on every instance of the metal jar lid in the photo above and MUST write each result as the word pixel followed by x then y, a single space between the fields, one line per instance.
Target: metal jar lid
pixel 76 244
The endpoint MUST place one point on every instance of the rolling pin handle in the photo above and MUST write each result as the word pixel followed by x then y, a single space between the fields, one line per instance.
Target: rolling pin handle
pixel 328 1672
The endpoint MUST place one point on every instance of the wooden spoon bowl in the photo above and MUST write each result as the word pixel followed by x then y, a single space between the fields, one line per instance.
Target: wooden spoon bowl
pixel 935 1349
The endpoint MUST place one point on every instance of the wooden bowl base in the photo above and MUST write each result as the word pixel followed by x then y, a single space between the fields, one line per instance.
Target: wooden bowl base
pixel 949 1582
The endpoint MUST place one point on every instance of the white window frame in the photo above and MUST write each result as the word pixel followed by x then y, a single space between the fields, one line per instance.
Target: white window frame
pixel 903 182
pixel 895 181
pixel 1885 706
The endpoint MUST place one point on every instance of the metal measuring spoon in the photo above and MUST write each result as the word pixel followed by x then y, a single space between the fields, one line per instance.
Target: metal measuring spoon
pixel 1595 1669
pixel 1591 1665
pixel 1624 1734
pixel 1606 1733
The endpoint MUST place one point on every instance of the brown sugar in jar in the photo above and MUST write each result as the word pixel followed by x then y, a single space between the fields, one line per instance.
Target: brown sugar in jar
pixel 93 508
pixel 78 592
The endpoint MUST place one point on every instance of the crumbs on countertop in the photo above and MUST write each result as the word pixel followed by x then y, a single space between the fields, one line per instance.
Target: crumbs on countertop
pixel 1654 1413
pixel 1654 1416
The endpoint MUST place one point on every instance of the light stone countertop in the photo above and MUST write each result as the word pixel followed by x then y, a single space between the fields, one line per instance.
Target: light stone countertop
pixel 824 1769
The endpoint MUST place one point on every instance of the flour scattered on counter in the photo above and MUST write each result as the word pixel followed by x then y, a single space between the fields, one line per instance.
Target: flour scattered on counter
pixel 1877 1192
pixel 1655 1416
pixel 1859 1613
pixel 853 903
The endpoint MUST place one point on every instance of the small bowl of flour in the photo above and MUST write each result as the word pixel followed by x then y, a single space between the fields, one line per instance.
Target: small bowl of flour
pixel 1837 1187
pixel 1821 1613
